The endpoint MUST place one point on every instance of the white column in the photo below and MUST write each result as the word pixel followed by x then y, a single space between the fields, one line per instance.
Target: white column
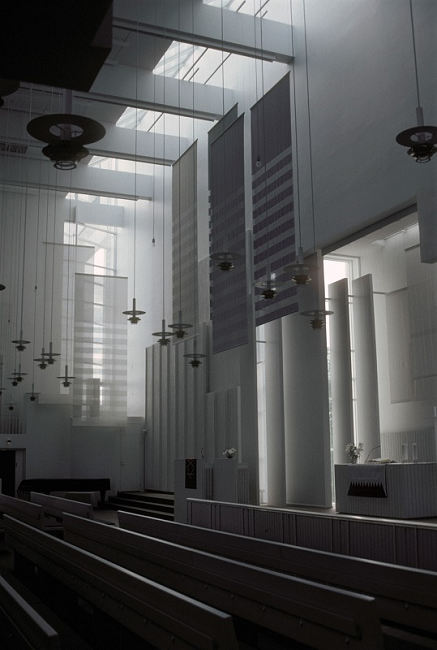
pixel 341 372
pixel 306 406
pixel 365 364
pixel 275 436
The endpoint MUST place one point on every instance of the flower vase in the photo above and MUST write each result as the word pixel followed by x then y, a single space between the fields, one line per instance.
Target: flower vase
pixel 354 460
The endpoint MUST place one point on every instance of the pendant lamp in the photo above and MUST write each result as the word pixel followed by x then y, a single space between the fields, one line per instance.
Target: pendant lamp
pixel 318 315
pixel 65 135
pixel 421 140
pixel 135 313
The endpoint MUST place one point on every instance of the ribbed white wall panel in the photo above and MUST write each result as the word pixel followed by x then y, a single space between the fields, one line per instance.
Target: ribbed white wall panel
pixel 385 540
pixel 175 409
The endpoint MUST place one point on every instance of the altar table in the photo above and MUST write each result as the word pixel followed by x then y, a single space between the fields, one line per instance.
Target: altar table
pixel 399 490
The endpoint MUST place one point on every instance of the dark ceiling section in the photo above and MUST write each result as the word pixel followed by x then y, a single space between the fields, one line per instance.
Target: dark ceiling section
pixel 61 43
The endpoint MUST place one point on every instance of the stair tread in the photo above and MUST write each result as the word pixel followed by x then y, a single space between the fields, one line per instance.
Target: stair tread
pixel 142 503
pixel 147 496
pixel 144 511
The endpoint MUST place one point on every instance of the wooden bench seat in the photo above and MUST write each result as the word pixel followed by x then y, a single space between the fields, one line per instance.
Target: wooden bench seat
pixel 31 513
pixel 21 627
pixel 133 604
pixel 406 597
pixel 290 609
pixel 55 506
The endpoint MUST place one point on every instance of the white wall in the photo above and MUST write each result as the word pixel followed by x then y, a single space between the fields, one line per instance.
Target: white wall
pixel 362 94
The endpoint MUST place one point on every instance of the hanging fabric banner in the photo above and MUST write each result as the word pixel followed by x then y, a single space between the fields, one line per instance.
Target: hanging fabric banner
pixel 228 234
pixel 272 195
pixel 184 235
pixel 100 351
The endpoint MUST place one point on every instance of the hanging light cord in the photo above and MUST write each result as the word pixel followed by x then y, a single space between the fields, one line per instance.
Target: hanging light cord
pixel 179 168
pixel 53 261
pixel 309 128
pixel 268 267
pixel 414 53
pixel 135 150
pixel 36 269
pixel 25 222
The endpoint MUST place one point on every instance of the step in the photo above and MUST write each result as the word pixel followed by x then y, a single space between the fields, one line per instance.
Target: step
pixel 151 497
pixel 145 511
pixel 141 503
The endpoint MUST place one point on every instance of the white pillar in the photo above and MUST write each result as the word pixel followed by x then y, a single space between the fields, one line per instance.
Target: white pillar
pixel 275 437
pixel 365 364
pixel 306 405
pixel 341 372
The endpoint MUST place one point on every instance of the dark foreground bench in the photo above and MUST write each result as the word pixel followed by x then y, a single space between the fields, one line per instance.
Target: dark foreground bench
pixel 125 606
pixel 21 627
pixel 31 513
pixel 406 597
pixel 279 610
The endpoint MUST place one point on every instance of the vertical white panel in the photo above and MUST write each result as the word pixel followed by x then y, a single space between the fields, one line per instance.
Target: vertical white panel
pixel 157 432
pixel 398 327
pixel 306 406
pixel 209 444
pixel 180 422
pixel 190 374
pixel 275 439
pixel 233 421
pixel 220 419
pixel 151 436
pixel 163 381
pixel 341 372
pixel 172 409
pixel 132 461
pixel 366 371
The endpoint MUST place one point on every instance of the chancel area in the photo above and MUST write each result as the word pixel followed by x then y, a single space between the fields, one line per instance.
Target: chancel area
pixel 218 294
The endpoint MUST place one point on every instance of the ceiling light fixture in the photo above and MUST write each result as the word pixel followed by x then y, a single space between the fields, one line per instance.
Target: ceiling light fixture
pixel 66 378
pixel 317 316
pixel 420 139
pixel 269 285
pixel 134 313
pixel 164 336
pixel 299 270
pixel 65 135
pixel 226 258
pixel 180 327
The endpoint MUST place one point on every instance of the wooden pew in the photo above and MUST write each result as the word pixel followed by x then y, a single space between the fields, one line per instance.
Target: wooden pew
pixel 31 513
pixel 406 597
pixel 55 506
pixel 21 627
pixel 133 604
pixel 278 607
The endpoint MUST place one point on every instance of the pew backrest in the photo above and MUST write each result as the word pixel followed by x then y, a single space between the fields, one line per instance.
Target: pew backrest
pixel 55 506
pixel 21 627
pixel 31 513
pixel 158 615
pixel 304 611
pixel 404 595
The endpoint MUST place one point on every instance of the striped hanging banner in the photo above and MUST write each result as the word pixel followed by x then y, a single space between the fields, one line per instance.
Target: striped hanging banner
pixel 274 243
pixel 227 227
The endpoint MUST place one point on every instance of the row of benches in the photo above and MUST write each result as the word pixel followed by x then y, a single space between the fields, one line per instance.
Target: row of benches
pixel 273 590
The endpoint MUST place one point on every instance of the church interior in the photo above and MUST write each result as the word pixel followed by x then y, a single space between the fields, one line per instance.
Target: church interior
pixel 218 280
